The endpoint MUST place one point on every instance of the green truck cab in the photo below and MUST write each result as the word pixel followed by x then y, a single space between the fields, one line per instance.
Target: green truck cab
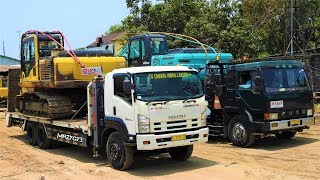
pixel 258 99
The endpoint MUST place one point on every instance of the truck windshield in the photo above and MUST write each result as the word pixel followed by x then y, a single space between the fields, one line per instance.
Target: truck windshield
pixel 167 86
pixel 285 79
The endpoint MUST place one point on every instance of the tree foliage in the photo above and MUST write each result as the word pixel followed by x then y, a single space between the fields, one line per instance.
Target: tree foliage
pixel 242 27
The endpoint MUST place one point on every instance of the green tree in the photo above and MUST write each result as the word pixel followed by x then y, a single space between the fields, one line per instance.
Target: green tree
pixel 221 25
pixel 243 27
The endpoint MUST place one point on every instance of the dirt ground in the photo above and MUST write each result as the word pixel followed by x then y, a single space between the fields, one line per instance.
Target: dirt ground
pixel 269 158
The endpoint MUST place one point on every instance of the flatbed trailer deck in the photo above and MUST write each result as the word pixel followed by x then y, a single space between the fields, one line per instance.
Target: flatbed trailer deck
pixel 72 131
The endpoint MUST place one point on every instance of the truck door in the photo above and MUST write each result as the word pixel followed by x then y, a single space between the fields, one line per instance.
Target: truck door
pixel 245 96
pixel 122 102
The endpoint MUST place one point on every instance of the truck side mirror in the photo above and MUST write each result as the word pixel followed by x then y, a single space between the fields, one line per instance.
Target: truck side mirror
pixel 257 84
pixel 127 86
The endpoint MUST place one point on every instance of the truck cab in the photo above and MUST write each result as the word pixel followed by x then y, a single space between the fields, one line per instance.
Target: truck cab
pixel 155 109
pixel 266 97
pixel 156 105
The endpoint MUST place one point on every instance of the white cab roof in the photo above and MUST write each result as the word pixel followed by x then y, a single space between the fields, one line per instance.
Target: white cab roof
pixel 144 69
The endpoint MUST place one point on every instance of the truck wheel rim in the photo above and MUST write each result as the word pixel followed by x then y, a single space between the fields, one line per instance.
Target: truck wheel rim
pixel 114 151
pixel 239 132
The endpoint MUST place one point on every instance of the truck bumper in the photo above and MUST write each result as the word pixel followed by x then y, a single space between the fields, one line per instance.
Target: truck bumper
pixel 261 127
pixel 153 142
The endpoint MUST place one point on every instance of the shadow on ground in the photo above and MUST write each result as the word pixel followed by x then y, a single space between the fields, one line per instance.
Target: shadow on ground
pixel 75 152
pixel 164 165
pixel 273 144
pixel 143 166
pixel 270 143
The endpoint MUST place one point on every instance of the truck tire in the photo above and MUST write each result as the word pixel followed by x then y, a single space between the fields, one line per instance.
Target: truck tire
pixel 181 153
pixel 119 155
pixel 240 132
pixel 43 141
pixel 286 134
pixel 31 133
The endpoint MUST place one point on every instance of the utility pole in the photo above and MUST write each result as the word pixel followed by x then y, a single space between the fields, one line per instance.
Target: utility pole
pixel 291 28
pixel 19 35
pixel 19 38
pixel 3 48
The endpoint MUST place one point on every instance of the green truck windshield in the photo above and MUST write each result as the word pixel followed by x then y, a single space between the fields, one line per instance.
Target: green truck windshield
pixel 285 79
pixel 167 86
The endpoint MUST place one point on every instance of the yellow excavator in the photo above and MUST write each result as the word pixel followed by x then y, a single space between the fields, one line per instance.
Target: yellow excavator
pixel 3 90
pixel 53 81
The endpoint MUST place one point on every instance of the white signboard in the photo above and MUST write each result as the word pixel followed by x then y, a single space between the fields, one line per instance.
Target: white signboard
pixel 91 70
pixel 276 104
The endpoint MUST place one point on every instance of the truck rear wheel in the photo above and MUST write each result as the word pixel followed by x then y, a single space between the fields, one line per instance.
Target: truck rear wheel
pixel 42 139
pixel 286 134
pixel 240 132
pixel 181 153
pixel 31 134
pixel 119 155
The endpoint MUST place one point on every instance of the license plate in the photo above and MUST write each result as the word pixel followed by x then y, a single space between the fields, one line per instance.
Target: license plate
pixel 294 122
pixel 276 104
pixel 178 137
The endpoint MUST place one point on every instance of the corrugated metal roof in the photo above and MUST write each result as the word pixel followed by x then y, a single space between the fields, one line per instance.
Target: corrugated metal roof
pixel 9 58
pixel 4 68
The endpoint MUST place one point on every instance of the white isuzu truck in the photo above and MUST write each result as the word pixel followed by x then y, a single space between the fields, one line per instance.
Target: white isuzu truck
pixel 158 109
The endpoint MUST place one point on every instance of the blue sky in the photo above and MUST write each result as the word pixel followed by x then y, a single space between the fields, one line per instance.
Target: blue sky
pixel 81 21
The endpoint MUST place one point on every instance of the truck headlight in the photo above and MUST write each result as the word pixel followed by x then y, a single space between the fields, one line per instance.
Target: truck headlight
pixel 270 116
pixel 144 124
pixel 309 112
pixel 204 116
pixel 206 113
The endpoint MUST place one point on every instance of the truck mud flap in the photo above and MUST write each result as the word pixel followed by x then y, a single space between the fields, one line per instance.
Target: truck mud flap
pixel 69 136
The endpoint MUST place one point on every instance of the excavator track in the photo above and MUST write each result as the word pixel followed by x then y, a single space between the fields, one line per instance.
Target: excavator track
pixel 45 104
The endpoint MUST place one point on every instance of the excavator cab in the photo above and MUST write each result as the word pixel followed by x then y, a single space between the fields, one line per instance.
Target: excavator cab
pixel 35 46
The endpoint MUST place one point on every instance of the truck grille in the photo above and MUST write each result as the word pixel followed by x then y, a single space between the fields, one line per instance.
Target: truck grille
pixel 292 113
pixel 174 125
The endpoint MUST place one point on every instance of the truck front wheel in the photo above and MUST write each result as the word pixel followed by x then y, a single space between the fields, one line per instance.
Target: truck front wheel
pixel 286 134
pixel 240 132
pixel 119 155
pixel 31 134
pixel 181 153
